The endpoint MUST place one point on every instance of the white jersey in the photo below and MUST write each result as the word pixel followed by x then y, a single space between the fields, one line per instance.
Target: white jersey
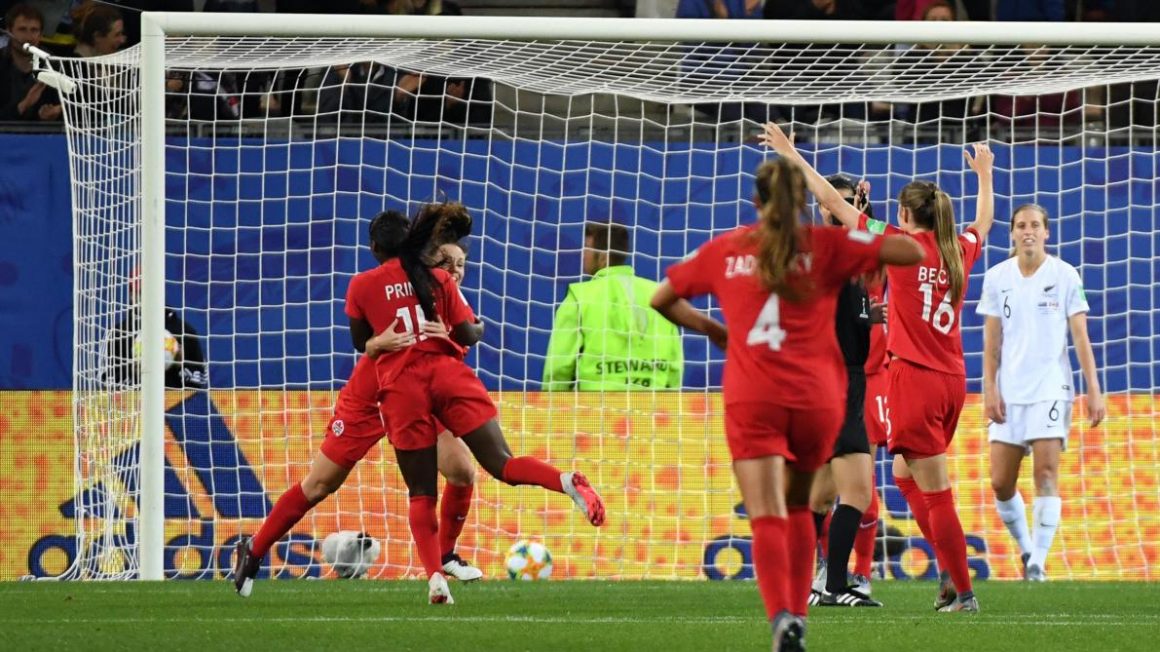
pixel 1034 310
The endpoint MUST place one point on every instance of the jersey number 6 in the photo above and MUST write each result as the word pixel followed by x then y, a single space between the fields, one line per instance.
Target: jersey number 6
pixel 944 316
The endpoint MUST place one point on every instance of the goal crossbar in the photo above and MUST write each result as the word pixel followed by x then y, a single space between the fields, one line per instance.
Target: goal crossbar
pixel 651 29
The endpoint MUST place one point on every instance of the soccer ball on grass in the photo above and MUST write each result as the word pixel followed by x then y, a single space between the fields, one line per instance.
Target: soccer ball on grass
pixel 528 560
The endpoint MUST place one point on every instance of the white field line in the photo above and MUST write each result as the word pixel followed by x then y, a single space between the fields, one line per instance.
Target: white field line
pixel 1040 620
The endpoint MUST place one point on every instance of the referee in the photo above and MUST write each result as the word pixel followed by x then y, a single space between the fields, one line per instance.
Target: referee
pixel 851 469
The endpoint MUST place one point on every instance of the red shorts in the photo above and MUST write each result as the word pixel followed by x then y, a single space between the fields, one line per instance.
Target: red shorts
pixel 349 438
pixel 924 409
pixel 433 388
pixel 804 437
pixel 877 386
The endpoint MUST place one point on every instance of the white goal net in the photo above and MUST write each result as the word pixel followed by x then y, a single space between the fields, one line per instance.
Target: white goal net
pixel 279 150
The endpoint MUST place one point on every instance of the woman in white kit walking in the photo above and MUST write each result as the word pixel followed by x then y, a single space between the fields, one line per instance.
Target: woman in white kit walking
pixel 1030 301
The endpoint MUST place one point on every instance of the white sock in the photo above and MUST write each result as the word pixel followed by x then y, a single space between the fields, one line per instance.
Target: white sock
pixel 1014 515
pixel 1046 511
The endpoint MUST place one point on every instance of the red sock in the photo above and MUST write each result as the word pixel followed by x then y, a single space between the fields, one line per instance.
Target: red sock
pixel 800 550
pixel 290 508
pixel 453 508
pixel 917 503
pixel 770 561
pixel 529 470
pixel 948 537
pixel 864 540
pixel 425 530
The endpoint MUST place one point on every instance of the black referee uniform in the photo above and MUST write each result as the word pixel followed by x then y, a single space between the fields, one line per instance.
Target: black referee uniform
pixel 852 323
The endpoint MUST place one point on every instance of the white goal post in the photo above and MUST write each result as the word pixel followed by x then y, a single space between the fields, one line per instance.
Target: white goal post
pixel 648 60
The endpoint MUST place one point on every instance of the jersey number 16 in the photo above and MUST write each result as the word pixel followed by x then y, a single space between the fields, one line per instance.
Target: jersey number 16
pixel 943 318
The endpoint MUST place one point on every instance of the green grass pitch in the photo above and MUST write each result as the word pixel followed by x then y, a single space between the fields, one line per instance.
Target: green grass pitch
pixel 559 616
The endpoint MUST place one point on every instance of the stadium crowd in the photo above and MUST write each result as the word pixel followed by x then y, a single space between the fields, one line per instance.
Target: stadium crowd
pixel 367 94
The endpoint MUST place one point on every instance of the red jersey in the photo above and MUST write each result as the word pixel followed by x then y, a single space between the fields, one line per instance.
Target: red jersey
pixel 384 294
pixel 360 396
pixel 779 352
pixel 876 359
pixel 923 326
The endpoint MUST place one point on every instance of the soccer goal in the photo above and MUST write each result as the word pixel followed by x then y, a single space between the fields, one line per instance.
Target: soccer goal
pixel 236 162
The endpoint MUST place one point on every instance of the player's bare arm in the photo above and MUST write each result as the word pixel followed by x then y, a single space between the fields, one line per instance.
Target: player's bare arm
pixel 391 340
pixel 1096 408
pixel 827 195
pixel 983 163
pixel 469 333
pixel 900 250
pixel 682 313
pixel 993 406
pixel 360 332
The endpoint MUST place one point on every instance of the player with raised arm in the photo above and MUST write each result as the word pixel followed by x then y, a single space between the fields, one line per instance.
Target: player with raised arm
pixel 784 386
pixel 354 429
pixel 1030 301
pixel 849 473
pixel 428 382
pixel 925 347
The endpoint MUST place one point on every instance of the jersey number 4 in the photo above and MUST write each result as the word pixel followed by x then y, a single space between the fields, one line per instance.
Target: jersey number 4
pixel 943 318
pixel 766 330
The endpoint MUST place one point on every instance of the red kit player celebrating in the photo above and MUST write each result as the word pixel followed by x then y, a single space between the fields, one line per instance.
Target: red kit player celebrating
pixel 429 381
pixel 785 381
pixel 355 428
pixel 926 349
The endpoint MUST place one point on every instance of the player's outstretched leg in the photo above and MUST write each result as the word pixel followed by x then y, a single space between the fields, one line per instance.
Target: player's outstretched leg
pixel 325 478
pixel 576 485
pixel 490 448
pixel 246 566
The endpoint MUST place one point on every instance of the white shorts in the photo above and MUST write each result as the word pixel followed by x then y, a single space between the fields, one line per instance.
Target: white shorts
pixel 1026 423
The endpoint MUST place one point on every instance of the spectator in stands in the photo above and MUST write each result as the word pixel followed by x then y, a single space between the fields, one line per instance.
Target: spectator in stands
pixel 718 65
pixel 423 8
pixel 937 120
pixel 829 9
pixel 720 8
pixel 1042 113
pixel 1030 10
pixel 454 100
pixel 1132 104
pixel 99 29
pixel 917 9
pixel 606 336
pixel 370 93
pixel 1134 11
pixel 21 96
